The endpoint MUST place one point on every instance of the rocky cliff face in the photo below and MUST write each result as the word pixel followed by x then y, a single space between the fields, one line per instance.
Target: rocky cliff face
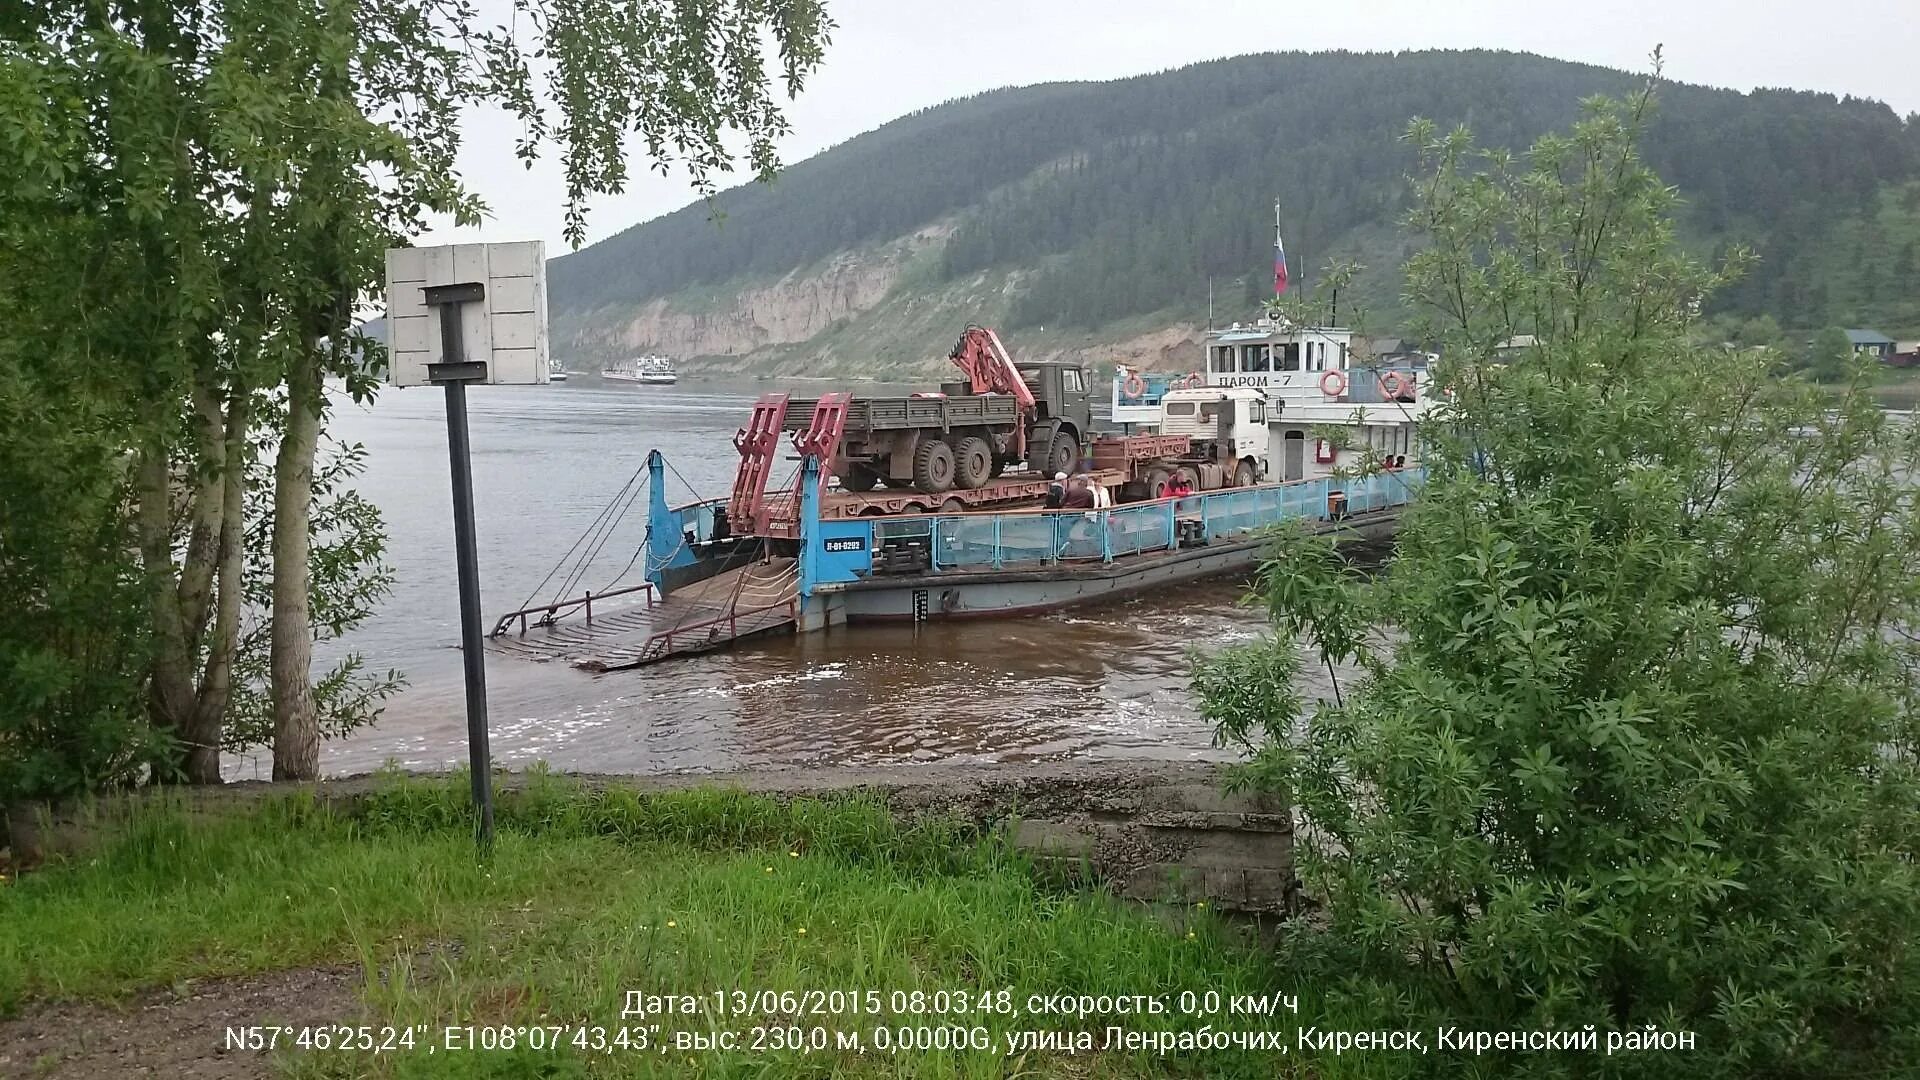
pixel 1170 348
pixel 859 313
pixel 737 324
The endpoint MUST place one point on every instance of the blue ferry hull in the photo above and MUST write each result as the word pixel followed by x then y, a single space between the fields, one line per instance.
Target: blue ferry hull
pixel 985 594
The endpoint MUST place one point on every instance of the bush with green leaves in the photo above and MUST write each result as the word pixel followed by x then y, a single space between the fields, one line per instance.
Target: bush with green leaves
pixel 1830 358
pixel 1634 741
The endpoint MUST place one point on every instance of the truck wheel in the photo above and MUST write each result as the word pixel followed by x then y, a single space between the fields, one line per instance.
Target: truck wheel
pixel 1062 454
pixel 1244 475
pixel 933 467
pixel 952 505
pixel 972 462
pixel 1156 481
pixel 859 477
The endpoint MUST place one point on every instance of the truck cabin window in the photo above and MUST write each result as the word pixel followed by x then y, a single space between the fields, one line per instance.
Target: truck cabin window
pixel 1179 408
pixel 1070 381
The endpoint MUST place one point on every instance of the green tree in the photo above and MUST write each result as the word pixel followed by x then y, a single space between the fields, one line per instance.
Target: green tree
pixel 198 197
pixel 1830 358
pixel 106 281
pixel 380 85
pixel 1635 739
pixel 75 639
pixel 1760 331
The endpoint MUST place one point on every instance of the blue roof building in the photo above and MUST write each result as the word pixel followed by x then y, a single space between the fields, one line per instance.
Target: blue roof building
pixel 1870 341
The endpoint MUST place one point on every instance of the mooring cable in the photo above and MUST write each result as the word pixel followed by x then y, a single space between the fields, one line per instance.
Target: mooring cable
pixel 599 544
pixel 647 538
pixel 606 519
pixel 535 591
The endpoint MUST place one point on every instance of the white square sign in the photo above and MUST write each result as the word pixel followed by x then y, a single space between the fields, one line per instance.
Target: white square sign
pixel 507 328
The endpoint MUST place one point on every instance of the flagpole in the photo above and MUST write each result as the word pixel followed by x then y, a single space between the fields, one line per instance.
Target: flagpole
pixel 1279 250
pixel 1278 245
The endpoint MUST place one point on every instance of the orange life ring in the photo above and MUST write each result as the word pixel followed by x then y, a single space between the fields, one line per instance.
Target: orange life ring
pixel 1393 384
pixel 1194 379
pixel 1338 383
pixel 1135 386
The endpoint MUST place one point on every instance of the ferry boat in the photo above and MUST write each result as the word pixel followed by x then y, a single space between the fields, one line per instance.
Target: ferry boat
pixel 1301 401
pixel 1319 380
pixel 556 373
pixel 656 370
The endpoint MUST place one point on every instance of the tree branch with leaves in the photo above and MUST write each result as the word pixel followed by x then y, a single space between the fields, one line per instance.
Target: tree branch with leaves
pixel 1635 737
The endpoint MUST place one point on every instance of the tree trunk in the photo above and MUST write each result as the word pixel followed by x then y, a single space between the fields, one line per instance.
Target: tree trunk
pixel 197 570
pixel 181 596
pixel 296 729
pixel 170 690
pixel 23 833
pixel 203 735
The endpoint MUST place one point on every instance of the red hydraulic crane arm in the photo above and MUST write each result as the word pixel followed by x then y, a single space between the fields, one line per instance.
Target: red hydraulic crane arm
pixel 989 369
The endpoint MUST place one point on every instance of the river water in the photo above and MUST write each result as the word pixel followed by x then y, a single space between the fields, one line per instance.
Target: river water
pixel 1107 681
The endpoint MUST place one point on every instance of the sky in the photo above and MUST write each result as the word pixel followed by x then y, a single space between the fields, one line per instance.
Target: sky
pixel 891 57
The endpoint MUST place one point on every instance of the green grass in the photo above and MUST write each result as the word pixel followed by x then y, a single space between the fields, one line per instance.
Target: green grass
pixel 592 894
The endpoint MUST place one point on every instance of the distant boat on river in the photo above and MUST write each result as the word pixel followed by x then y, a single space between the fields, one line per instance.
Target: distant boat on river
pixel 657 370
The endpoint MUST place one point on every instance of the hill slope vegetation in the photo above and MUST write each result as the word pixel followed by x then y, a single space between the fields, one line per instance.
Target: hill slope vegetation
pixel 1100 210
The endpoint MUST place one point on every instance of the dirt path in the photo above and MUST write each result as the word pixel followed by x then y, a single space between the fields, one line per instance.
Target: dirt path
pixel 179 1033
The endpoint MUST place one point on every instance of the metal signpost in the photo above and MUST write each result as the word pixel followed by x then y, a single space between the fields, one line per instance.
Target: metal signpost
pixel 489 300
pixel 455 375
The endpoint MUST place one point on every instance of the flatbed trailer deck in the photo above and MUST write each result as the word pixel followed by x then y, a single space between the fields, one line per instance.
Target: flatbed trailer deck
pixel 1006 493
pixel 782 516
pixel 1122 451
pixel 913 411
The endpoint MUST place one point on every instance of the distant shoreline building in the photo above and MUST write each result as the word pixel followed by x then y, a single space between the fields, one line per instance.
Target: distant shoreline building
pixel 1871 343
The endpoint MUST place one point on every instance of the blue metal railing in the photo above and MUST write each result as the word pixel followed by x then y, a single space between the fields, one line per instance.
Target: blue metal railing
pixel 995 541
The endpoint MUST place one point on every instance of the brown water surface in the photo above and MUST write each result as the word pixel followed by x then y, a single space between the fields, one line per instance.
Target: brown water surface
pixel 1109 681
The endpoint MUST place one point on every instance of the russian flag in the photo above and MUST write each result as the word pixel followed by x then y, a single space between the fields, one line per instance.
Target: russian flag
pixel 1279 266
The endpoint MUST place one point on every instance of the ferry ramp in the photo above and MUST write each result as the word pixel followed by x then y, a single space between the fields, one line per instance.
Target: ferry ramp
pixel 746 601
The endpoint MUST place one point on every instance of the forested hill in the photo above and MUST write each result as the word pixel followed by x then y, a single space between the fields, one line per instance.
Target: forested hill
pixel 1086 205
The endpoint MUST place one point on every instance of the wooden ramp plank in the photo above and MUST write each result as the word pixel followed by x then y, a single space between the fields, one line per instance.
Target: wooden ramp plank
pixel 631 636
pixel 713 636
pixel 763 601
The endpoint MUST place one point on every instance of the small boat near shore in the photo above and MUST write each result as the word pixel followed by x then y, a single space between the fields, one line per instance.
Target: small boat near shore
pixel 650 369
pixel 556 373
